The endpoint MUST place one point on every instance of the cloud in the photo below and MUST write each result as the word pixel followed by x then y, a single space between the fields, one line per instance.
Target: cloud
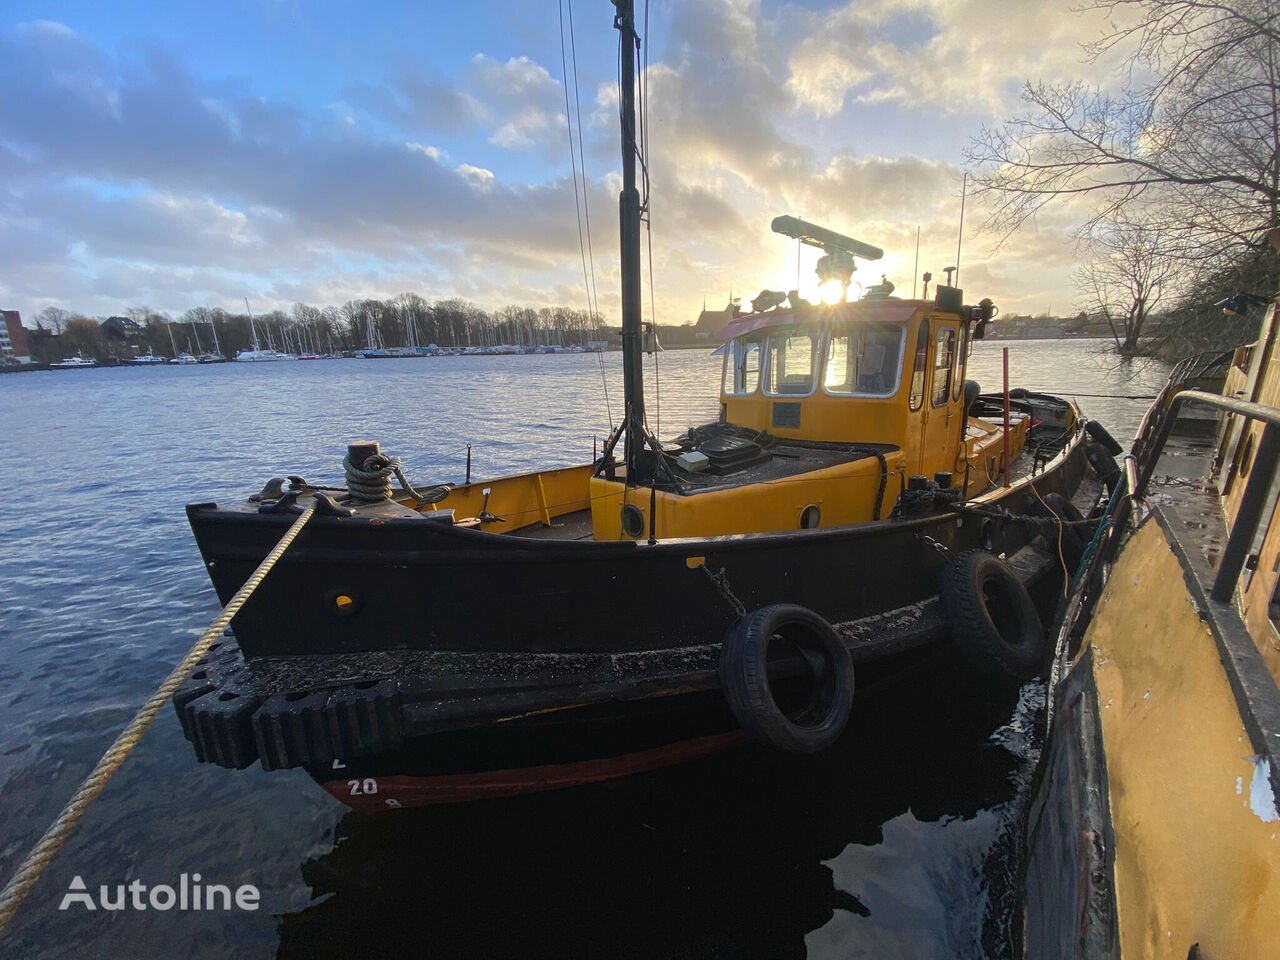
pixel 418 104
pixel 126 177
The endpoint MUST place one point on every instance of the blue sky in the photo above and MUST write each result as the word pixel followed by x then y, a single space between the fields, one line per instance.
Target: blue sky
pixel 180 154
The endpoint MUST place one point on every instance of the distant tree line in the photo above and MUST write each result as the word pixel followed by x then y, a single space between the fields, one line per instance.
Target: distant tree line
pixel 408 320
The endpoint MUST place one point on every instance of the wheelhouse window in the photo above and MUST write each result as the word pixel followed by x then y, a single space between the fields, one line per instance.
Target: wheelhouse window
pixel 792 364
pixel 957 378
pixel 741 367
pixel 864 360
pixel 943 361
pixel 920 366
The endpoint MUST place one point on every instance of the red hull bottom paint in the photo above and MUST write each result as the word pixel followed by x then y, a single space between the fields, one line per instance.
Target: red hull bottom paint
pixel 375 794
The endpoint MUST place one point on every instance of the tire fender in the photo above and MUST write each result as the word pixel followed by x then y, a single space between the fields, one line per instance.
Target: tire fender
pixel 1098 432
pixel 1103 464
pixel 993 617
pixel 744 676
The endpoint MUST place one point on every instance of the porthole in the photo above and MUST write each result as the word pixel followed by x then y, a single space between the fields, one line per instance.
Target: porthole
pixel 632 520
pixel 810 517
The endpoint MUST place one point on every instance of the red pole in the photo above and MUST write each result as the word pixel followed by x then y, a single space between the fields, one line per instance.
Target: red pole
pixel 1006 416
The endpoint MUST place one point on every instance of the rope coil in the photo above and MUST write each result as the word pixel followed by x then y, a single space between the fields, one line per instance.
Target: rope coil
pixel 371 481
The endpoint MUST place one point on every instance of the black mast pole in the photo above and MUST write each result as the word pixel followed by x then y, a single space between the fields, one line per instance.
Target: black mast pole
pixel 629 246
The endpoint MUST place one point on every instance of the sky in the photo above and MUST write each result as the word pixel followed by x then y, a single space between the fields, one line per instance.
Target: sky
pixel 181 154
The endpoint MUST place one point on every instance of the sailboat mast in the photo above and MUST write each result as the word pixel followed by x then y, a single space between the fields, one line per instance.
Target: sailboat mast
pixel 253 328
pixel 629 220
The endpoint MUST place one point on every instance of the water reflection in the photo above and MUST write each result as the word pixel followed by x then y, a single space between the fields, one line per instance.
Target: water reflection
pixel 745 854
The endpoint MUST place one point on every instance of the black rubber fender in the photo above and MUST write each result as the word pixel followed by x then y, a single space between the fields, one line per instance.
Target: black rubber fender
pixel 993 618
pixel 744 675
pixel 1098 432
pixel 1062 507
pixel 1103 464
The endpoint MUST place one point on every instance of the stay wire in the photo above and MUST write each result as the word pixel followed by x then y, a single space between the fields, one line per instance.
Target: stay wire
pixel 582 162
pixel 647 215
pixel 582 210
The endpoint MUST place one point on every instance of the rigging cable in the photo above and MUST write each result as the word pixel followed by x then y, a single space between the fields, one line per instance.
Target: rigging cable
pixel 582 160
pixel 583 208
pixel 646 212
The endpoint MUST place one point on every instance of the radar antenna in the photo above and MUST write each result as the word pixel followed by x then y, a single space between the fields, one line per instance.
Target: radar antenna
pixel 840 250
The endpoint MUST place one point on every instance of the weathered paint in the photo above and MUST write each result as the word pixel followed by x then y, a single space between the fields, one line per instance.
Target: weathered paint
pixel 1254 375
pixel 1194 862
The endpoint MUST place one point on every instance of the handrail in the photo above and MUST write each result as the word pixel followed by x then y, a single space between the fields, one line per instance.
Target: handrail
pixel 1261 476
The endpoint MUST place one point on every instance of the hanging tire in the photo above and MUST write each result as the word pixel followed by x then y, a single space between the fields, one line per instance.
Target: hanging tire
pixel 1098 432
pixel 1062 507
pixel 817 721
pixel 1103 464
pixel 992 616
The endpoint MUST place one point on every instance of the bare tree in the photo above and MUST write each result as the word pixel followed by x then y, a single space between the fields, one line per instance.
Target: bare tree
pixel 53 318
pixel 1193 136
pixel 1126 279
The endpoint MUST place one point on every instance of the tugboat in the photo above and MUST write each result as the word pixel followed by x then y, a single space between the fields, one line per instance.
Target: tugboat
pixel 858 504
pixel 1153 827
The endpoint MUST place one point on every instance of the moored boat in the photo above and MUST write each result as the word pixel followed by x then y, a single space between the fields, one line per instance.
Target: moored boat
pixel 78 362
pixel 1153 829
pixel 147 359
pixel 858 504
pixel 256 355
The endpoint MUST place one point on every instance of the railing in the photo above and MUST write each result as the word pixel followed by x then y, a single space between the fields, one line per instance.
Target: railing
pixel 1261 474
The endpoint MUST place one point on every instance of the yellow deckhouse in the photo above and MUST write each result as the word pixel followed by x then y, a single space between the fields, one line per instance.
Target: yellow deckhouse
pixel 826 412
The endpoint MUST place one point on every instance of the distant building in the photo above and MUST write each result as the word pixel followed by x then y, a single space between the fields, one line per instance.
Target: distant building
pixel 1043 327
pixel 14 347
pixel 711 322
pixel 124 337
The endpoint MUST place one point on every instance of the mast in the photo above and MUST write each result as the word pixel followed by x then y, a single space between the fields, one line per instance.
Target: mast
pixel 629 245
pixel 253 327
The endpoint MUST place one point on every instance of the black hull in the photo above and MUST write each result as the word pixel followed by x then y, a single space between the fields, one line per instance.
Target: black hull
pixel 583 745
pixel 434 587
pixel 473 665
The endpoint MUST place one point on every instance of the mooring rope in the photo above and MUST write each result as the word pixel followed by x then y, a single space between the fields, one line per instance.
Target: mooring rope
pixel 1113 396
pixel 35 863
pixel 371 481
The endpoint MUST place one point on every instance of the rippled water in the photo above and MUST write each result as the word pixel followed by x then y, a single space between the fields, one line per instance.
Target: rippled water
pixel 895 844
